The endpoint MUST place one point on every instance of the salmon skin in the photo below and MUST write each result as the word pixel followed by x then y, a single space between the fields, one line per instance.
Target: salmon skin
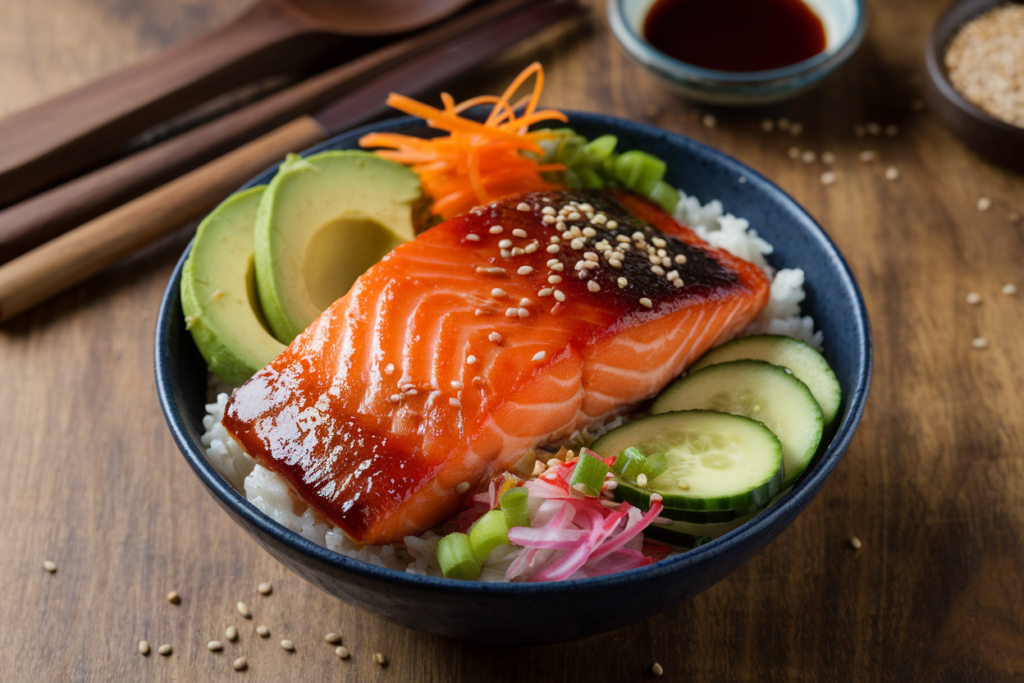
pixel 499 330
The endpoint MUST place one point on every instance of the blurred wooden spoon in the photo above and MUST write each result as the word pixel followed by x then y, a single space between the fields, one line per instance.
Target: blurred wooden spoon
pixel 58 138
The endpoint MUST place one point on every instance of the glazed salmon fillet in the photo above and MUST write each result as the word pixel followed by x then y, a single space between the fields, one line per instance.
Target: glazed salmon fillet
pixel 506 328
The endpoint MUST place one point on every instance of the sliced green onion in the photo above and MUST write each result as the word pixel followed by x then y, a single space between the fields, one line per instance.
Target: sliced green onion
pixel 701 540
pixel 594 152
pixel 630 464
pixel 665 196
pixel 590 179
pixel 488 533
pixel 551 145
pixel 589 474
pixel 456 557
pixel 656 465
pixel 639 171
pixel 515 503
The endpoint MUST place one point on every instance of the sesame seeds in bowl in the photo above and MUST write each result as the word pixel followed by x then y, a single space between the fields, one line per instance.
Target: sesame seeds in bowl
pixel 510 612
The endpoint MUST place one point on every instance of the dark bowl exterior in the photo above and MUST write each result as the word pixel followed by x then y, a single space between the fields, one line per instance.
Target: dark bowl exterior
pixel 549 612
pixel 992 138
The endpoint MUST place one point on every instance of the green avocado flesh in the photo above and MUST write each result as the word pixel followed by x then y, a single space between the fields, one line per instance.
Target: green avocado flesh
pixel 218 292
pixel 323 221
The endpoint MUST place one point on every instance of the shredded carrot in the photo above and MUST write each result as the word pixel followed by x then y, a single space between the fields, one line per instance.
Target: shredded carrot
pixel 476 162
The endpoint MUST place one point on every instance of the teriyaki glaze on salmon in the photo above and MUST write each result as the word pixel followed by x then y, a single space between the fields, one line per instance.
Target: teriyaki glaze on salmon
pixel 502 329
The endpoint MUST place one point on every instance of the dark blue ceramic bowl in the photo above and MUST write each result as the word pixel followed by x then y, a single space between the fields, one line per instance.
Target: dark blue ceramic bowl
pixel 510 613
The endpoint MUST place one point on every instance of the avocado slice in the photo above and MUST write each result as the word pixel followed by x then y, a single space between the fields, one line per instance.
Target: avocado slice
pixel 323 221
pixel 218 292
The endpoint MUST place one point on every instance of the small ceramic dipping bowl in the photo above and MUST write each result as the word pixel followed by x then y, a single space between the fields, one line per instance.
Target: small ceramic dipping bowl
pixel 845 23
pixel 990 137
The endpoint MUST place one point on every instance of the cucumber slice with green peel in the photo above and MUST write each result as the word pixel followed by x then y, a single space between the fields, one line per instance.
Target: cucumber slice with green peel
pixel 720 466
pixel 809 366
pixel 758 390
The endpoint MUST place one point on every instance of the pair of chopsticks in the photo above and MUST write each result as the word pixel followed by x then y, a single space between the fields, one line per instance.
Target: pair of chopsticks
pixel 413 66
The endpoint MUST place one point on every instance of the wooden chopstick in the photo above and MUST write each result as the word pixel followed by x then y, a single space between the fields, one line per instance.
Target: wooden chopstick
pixel 84 251
pixel 35 221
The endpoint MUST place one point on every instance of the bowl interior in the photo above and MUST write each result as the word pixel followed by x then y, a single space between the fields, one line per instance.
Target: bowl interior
pixel 504 612
pixel 841 19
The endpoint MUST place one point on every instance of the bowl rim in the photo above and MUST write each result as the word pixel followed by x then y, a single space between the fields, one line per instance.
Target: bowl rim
pixel 957 15
pixel 678 70
pixel 726 545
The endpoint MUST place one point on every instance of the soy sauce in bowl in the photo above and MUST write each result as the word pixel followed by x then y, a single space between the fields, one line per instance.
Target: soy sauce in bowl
pixel 735 35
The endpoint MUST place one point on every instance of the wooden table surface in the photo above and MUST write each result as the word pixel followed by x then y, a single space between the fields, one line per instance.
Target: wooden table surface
pixel 931 484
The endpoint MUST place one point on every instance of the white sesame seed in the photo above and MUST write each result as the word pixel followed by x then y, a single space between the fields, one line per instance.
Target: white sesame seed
pixel 454 403
pixel 262 631
pixel 505 244
pixel 548 211
pixel 495 229
pixel 662 253
pixel 518 251
pixel 808 157
pixel 590 256
pixel 519 232
pixel 505 253
pixel 709 121
pixel 539 356
pixel 389 369
pixel 241 664
pixel 577 243
pixel 615 263
pixel 555 239
pixel 231 633
pixel 657 669
pixel 683 485
pixel 165 650
pixel 470 360
pixel 657 270
pixel 144 647
pixel 552 261
pixel 828 158
pixel 611 225
pixel 545 292
pixel 244 610
pixel 511 312
pixel 342 652
pixel 656 498
pixel 214 646
pixel 265 588
pixel 525 270
pixel 646 302
pixel 554 279
pixel 558 267
pixel 462 487
pixel 599 219
pixel 984 204
pixel 658 242
pixel 411 392
pixel 333 638
pixel 395 398
pixel 174 598
pixel 559 296
pixel 494 337
pixel 677 283
pixel 855 543
pixel 586 207
pixel 523 206
pixel 641 479
pixel 621 238
pixel 593 286
pixel 523 313
pixel 828 178
pixel 973 298
pixel 589 232
pixel 553 249
pixel 892 173
pixel 622 282
pixel 380 659
pixel 473 237
pixel 672 274
pixel 548 219
pixel 654 258
pixel 408 386
pixel 531 247
pixel 525 302
pixel 1009 289
pixel 794 152
pixel 980 343
pixel 639 236
pixel 680 259
pixel 50 566
pixel 574 216
pixel 498 292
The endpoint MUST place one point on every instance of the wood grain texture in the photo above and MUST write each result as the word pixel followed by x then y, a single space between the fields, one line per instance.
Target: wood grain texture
pixel 931 483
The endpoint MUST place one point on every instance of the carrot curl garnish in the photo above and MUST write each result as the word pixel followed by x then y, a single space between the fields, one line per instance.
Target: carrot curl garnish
pixel 476 162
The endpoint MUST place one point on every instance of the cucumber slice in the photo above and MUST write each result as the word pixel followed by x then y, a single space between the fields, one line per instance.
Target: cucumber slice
pixel 720 466
pixel 760 391
pixel 809 366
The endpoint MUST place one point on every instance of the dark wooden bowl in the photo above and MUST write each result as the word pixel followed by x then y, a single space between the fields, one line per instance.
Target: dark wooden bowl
pixel 992 138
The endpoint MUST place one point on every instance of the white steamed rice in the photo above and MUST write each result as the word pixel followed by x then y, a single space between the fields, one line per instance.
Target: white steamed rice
pixel 272 494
